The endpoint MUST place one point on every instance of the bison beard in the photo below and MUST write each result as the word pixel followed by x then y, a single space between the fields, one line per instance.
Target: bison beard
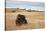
pixel 20 20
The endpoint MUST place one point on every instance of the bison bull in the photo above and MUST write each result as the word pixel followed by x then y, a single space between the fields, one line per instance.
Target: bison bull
pixel 20 20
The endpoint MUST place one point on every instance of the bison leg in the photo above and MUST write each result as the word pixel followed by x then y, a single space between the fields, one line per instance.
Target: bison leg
pixel 18 22
pixel 25 22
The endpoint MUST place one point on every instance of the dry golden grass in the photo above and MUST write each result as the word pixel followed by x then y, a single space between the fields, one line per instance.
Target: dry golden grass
pixel 35 20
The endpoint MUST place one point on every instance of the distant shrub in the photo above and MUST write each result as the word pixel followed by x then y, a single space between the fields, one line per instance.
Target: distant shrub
pixel 13 11
pixel 28 11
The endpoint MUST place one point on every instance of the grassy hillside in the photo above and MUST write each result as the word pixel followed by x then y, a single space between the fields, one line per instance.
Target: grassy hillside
pixel 35 20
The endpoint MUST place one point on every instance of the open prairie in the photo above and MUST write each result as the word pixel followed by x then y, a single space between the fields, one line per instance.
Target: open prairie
pixel 35 20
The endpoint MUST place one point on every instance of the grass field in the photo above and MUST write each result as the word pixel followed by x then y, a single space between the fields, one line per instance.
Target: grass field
pixel 35 20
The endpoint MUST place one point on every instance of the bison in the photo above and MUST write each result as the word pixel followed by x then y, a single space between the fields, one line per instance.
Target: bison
pixel 20 20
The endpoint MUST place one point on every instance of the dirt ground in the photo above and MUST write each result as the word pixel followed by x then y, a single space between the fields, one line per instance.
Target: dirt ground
pixel 35 20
